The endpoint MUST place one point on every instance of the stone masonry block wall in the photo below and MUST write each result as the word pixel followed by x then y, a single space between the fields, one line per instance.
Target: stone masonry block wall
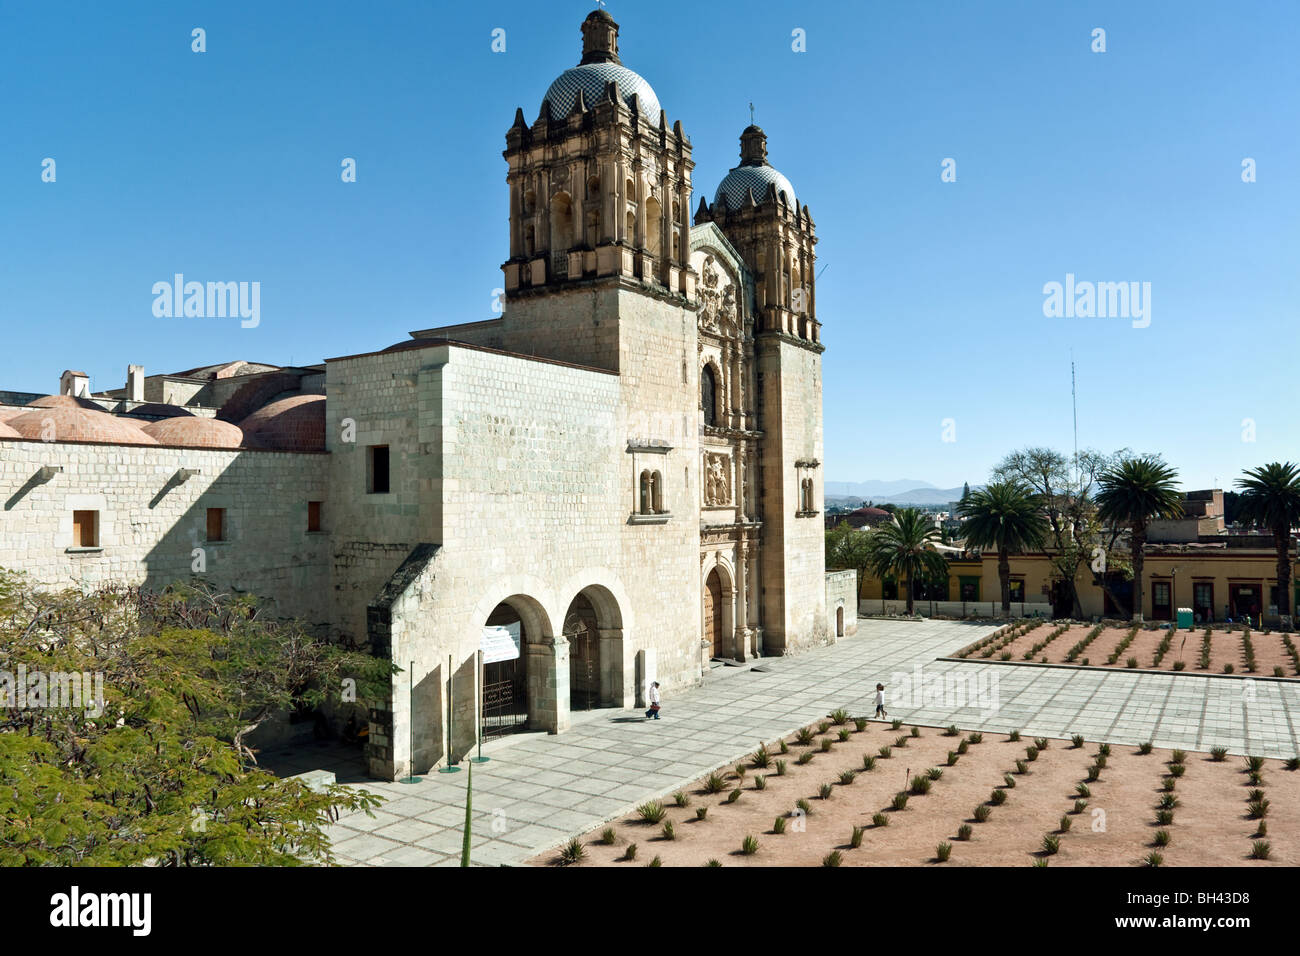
pixel 793 547
pixel 842 593
pixel 150 524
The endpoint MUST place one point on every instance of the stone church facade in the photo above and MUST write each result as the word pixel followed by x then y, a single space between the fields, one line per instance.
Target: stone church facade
pixel 622 472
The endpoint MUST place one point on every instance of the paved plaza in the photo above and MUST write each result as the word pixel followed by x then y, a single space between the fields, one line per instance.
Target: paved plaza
pixel 539 790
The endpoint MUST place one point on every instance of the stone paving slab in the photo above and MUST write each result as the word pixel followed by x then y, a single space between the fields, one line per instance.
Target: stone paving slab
pixel 538 791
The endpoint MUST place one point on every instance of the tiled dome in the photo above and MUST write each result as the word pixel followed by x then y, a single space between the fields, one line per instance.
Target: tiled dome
pixel 754 173
pixel 296 423
pixel 736 183
pixel 71 422
pixel 8 413
pixel 195 432
pixel 152 410
pixel 7 432
pixel 65 401
pixel 591 79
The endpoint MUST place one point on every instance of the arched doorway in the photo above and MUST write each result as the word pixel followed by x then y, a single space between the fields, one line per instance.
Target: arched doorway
pixel 714 632
pixel 504 691
pixel 839 621
pixel 582 631
pixel 593 632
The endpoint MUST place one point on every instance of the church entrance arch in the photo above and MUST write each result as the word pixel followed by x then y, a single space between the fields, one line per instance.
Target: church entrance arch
pixel 583 634
pixel 504 691
pixel 714 618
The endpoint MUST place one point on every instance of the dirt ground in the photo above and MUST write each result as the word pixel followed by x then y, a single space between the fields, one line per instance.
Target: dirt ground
pixel 1117 828
pixel 1226 647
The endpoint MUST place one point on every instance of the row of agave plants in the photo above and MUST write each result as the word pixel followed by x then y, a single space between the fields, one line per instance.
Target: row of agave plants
pixel 758 768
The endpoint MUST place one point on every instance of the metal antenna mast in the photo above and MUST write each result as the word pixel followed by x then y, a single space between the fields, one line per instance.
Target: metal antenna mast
pixel 1074 406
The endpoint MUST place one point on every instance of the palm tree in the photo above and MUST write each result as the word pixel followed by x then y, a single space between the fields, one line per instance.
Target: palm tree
pixel 1271 497
pixel 1133 492
pixel 1005 515
pixel 905 548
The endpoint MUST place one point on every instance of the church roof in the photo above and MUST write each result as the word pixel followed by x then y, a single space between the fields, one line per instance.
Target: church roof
pixel 591 79
pixel 753 174
pixel 740 180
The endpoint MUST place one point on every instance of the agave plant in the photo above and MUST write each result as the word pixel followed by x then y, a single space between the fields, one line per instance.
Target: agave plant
pixel 572 852
pixel 652 811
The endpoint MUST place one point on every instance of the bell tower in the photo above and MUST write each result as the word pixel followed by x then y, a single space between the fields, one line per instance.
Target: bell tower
pixel 599 184
pixel 756 208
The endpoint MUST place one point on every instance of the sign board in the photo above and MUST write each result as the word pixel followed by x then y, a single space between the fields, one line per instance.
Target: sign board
pixel 500 643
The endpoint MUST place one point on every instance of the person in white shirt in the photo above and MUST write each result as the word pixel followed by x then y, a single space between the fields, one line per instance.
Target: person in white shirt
pixel 653 712
pixel 880 701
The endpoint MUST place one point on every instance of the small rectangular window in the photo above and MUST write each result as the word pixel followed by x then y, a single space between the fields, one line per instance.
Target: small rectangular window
pixel 216 524
pixel 313 516
pixel 85 529
pixel 377 470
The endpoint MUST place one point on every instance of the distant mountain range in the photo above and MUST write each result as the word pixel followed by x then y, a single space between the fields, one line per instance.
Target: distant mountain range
pixel 904 491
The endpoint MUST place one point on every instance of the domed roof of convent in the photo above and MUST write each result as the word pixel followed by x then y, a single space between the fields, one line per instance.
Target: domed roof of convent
pixel 7 432
pixel 72 422
pixel 754 172
pixel 296 423
pixel 152 410
pixel 195 432
pixel 65 401
pixel 601 66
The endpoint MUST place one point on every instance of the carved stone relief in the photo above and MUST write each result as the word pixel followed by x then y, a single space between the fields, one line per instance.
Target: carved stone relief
pixel 717 479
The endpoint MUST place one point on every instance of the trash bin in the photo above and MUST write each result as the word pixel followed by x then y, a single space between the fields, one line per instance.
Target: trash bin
pixel 1185 618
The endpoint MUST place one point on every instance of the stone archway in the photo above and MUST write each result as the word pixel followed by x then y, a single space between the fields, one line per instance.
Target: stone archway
pixel 508 692
pixel 581 631
pixel 593 628
pixel 717 630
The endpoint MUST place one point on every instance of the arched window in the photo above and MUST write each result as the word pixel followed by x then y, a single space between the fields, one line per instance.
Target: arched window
pixel 593 228
pixel 561 224
pixel 530 241
pixel 593 187
pixel 631 228
pixel 654 227
pixel 656 493
pixel 646 501
pixel 709 395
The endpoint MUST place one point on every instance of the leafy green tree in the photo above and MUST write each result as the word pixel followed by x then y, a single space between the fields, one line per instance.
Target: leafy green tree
pixel 1271 497
pixel 1075 534
pixel 161 770
pixel 1005 515
pixel 904 548
pixel 1134 492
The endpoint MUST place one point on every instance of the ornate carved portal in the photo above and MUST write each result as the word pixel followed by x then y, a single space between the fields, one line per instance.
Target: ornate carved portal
pixel 713 624
pixel 717 479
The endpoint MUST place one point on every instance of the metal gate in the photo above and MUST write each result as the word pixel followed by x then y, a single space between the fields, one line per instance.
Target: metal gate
pixel 584 660
pixel 505 698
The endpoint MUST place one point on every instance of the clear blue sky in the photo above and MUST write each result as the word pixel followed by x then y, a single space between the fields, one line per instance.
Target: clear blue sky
pixel 1122 166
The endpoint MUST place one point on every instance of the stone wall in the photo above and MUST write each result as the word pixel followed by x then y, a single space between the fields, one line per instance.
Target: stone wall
pixel 151 523
pixel 794 555
pixel 842 595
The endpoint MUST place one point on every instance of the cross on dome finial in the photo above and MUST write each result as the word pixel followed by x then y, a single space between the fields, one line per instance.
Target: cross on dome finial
pixel 751 114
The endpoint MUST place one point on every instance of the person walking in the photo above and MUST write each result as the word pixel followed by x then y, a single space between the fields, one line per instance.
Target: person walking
pixel 880 701
pixel 653 712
